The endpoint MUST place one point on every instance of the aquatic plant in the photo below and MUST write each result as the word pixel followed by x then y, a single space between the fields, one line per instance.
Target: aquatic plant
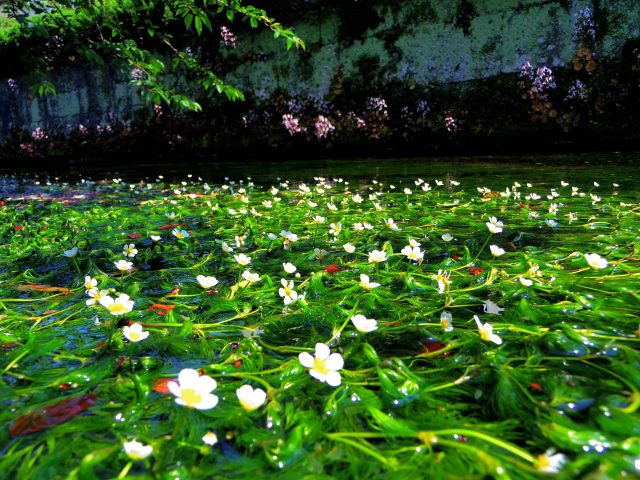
pixel 320 329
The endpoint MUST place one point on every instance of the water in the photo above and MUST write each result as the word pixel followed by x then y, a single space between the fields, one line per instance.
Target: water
pixel 498 171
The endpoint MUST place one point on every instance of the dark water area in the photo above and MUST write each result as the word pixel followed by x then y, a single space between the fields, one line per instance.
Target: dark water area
pixel 613 167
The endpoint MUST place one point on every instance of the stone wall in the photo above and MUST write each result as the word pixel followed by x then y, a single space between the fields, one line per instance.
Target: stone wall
pixel 421 42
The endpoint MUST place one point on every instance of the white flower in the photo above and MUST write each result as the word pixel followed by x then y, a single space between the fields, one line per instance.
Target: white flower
pixel 180 233
pixel 318 219
pixel 242 259
pixel 156 238
pixel 443 278
pixel 447 237
pixel 335 228
pixel 171 215
pixel 366 284
pixel 207 282
pixel 123 265
pixel 496 251
pixel 136 450
pixel 364 324
pixel 413 243
pixel 119 306
pixel 287 292
pixel 289 267
pixel 130 250
pixel 493 308
pixel 377 256
pixel 413 253
pixel 446 321
pixel 250 277
pixel 550 462
pixel 525 281
pixel 71 253
pixel 251 398
pixel 134 333
pixel 494 225
pixel 391 224
pixel 596 261
pixel 357 198
pixel 407 191
pixel 90 283
pixel 349 248
pixel 324 367
pixel 272 236
pixel 319 253
pixel 96 296
pixel 210 438
pixel 486 332
pixel 193 390
pixel 358 227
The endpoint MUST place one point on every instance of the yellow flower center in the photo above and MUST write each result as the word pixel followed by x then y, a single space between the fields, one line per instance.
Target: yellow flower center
pixel 117 309
pixel 319 366
pixel 287 291
pixel 190 397
pixel 485 332
pixel 133 336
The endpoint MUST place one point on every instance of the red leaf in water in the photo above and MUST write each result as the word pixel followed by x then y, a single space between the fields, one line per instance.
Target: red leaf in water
pixel 7 346
pixel 18 228
pixel 212 291
pixel 431 345
pixel 135 236
pixel 51 415
pixel 333 268
pixel 66 385
pixel 172 225
pixel 175 291
pixel 2 203
pixel 161 309
pixel 160 385
pixel 50 311
pixel 536 386
pixel 237 363
pixel 455 256
pixel 476 271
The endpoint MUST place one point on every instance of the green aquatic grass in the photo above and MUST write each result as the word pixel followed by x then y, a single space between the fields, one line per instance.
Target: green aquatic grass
pixel 552 389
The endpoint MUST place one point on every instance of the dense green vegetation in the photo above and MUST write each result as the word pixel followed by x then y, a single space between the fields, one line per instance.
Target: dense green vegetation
pixel 505 340
pixel 154 41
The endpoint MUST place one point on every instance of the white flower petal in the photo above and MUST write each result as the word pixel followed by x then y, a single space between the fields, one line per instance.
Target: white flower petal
pixel 333 379
pixel 306 359
pixel 322 351
pixel 334 362
pixel 188 378
pixel 208 402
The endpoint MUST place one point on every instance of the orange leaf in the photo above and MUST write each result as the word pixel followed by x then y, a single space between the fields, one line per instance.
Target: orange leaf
pixel 36 287
pixel 161 309
pixel 160 385
pixel 333 268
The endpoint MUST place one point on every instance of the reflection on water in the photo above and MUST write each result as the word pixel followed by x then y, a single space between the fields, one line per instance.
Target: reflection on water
pixel 499 171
